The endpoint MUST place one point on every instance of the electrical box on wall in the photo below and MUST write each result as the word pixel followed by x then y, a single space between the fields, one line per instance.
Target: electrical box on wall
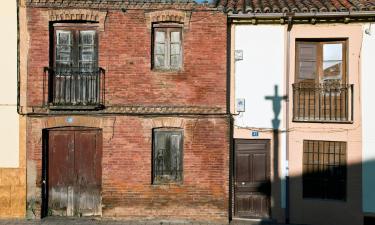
pixel 238 55
pixel 240 105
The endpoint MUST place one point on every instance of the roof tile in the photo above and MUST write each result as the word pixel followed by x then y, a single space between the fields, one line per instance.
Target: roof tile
pixel 297 6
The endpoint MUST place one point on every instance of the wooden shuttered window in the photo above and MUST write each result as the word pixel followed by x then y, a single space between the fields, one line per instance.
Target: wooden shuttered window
pixel 324 169
pixel 167 156
pixel 307 66
pixel 321 61
pixel 167 48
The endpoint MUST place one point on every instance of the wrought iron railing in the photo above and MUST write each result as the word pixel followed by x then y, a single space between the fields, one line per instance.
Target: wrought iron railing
pixel 326 102
pixel 74 88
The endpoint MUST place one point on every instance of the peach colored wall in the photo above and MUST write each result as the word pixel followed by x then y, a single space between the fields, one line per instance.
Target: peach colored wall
pixel 315 211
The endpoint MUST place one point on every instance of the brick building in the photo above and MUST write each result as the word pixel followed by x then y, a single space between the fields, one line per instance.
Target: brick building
pixel 126 109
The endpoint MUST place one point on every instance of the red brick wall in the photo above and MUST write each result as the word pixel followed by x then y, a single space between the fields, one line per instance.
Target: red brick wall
pixel 127 154
pixel 125 54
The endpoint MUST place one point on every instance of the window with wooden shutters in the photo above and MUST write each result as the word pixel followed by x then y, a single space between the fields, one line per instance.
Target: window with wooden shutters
pixel 167 156
pixel 324 169
pixel 307 61
pixel 320 62
pixel 167 47
pixel 75 79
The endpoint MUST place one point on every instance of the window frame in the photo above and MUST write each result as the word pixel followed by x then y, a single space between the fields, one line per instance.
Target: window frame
pixel 322 179
pixel 75 28
pixel 154 176
pixel 319 59
pixel 167 28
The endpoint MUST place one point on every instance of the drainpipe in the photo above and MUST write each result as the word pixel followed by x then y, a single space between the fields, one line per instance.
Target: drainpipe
pixel 18 56
pixel 289 28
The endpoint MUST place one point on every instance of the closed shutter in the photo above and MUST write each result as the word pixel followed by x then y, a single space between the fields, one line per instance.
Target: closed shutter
pixel 307 57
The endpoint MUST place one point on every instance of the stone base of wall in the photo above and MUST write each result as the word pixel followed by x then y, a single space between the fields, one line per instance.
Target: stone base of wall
pixel 12 193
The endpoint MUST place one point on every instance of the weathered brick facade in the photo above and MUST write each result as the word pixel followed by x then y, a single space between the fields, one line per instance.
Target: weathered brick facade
pixel 137 100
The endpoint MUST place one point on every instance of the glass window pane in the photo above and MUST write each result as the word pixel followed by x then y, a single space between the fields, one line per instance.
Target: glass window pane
pixel 63 37
pixel 160 36
pixel 175 36
pixel 87 37
pixel 332 69
pixel 159 61
pixel 159 48
pixel 63 48
pixel 332 52
pixel 175 61
pixel 63 57
pixel 175 49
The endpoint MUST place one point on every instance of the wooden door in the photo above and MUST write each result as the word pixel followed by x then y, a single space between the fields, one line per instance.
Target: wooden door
pixel 74 172
pixel 252 179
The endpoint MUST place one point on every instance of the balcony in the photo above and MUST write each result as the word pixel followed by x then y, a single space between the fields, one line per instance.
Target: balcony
pixel 326 102
pixel 74 88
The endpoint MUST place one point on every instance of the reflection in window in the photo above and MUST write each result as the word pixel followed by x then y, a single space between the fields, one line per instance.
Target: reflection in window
pixel 332 61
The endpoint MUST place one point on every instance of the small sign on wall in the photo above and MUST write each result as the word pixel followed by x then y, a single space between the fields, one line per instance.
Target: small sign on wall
pixel 240 105
pixel 238 55
pixel 255 133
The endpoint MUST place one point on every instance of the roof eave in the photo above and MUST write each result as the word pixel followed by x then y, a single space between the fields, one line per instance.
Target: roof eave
pixel 302 15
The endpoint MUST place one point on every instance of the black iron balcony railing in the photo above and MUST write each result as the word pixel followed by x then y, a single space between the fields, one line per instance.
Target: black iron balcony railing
pixel 327 102
pixel 74 88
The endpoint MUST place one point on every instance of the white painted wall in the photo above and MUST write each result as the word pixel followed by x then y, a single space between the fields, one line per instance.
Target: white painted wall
pixel 368 118
pixel 9 123
pixel 260 70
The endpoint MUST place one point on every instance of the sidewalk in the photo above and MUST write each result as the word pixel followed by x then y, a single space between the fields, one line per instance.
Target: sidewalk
pixel 84 221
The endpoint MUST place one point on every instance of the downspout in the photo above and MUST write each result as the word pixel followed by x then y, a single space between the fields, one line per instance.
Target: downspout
pixel 18 56
pixel 289 28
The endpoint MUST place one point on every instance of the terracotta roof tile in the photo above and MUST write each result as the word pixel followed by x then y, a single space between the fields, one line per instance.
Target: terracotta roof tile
pixel 297 6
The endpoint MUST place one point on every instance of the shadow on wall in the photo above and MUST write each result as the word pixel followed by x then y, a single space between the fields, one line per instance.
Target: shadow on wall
pixel 326 189
pixel 327 179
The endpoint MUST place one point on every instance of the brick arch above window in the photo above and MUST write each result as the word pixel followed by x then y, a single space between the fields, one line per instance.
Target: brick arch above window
pixel 177 16
pixel 79 14
pixel 168 122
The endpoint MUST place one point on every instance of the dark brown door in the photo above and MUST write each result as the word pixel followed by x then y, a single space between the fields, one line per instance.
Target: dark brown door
pixel 74 172
pixel 252 179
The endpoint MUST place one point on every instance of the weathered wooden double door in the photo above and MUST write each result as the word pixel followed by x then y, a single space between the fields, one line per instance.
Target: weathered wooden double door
pixel 74 172
pixel 252 179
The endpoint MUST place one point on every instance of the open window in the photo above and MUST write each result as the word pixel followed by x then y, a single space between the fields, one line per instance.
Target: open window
pixel 321 61
pixel 321 92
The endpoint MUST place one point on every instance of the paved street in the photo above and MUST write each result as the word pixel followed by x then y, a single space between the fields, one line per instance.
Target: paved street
pixel 65 221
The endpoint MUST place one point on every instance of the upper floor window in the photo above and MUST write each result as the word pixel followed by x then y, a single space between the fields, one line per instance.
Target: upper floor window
pixel 167 155
pixel 167 46
pixel 75 79
pixel 75 47
pixel 321 61
pixel 321 92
